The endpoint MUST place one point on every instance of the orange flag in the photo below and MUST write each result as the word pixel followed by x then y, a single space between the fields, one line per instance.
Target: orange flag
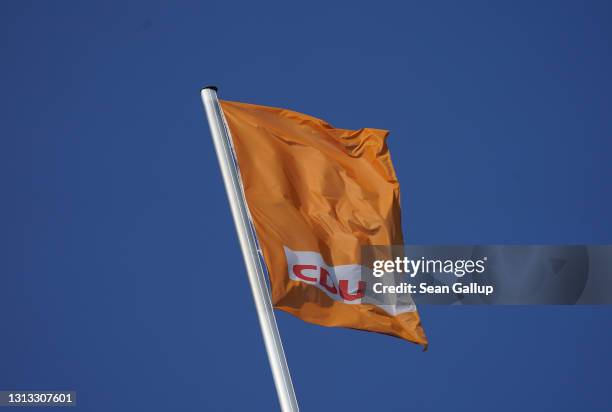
pixel 316 194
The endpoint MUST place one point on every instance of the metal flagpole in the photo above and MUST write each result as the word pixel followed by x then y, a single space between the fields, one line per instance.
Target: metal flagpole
pixel 248 244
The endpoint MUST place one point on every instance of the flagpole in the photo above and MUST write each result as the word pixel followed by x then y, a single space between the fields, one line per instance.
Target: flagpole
pixel 272 340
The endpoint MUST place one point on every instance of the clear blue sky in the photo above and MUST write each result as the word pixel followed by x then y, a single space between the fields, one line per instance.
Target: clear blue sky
pixel 121 276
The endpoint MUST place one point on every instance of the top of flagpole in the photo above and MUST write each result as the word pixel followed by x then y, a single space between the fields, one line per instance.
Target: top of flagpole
pixel 211 86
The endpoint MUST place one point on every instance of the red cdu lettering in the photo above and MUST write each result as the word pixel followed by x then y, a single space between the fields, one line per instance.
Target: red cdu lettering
pixel 297 271
pixel 323 278
pixel 346 295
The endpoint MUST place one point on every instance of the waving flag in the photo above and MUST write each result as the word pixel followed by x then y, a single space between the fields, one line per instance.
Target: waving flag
pixel 316 194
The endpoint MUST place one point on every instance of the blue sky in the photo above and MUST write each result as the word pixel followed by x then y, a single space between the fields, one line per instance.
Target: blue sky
pixel 121 273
